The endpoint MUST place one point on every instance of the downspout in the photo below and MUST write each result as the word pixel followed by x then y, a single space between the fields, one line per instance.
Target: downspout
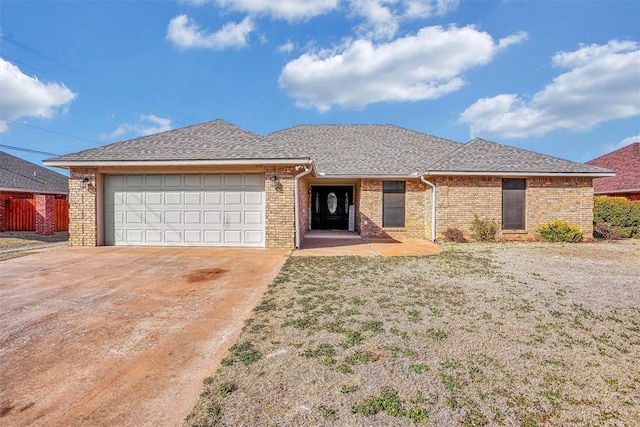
pixel 296 203
pixel 433 206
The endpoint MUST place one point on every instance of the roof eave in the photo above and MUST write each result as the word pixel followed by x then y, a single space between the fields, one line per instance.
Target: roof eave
pixel 142 163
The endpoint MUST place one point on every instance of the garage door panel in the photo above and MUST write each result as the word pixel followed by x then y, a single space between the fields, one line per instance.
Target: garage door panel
pixel 253 198
pixel 192 217
pixel 172 198
pixel 172 217
pixel 153 181
pixel 134 181
pixel 153 198
pixel 189 210
pixel 213 217
pixel 232 198
pixel 173 180
pixel 153 236
pixel 192 198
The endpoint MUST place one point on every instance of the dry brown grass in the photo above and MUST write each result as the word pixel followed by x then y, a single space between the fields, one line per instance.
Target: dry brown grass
pixel 19 239
pixel 481 334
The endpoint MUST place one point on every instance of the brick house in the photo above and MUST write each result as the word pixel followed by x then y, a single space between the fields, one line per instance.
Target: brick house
pixel 215 184
pixel 21 180
pixel 625 162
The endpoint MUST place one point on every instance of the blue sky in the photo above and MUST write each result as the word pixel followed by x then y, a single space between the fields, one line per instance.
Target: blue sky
pixel 556 77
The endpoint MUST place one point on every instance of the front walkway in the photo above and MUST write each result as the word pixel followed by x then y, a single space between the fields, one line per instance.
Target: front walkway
pixel 345 243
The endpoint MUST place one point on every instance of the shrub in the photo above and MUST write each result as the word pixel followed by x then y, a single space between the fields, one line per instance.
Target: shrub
pixel 483 230
pixel 621 214
pixel 560 231
pixel 603 230
pixel 454 235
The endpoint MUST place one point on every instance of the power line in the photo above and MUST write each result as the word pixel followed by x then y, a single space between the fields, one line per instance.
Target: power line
pixel 89 77
pixel 27 150
pixel 51 131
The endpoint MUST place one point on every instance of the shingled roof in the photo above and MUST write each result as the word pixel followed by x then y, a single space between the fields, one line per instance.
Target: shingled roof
pixel 484 156
pixel 336 150
pixel 626 163
pixel 17 174
pixel 215 140
pixel 364 150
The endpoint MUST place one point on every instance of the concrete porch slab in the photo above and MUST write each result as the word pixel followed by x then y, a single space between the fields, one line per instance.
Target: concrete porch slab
pixel 356 245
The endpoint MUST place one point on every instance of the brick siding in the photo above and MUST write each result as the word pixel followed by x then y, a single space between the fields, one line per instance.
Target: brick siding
pixel 45 205
pixel 279 209
pixel 547 199
pixel 83 229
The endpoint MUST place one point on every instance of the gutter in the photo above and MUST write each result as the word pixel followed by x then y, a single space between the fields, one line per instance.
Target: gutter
pixel 509 174
pixel 307 170
pixel 139 163
pixel 433 206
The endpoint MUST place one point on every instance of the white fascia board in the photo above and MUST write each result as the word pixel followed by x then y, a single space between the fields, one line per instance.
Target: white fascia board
pixel 508 174
pixel 142 163
pixel 322 176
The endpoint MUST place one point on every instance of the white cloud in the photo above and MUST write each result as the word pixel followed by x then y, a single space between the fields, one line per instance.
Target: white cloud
pixel 601 83
pixel 607 148
pixel 427 65
pixel 185 33
pixel 378 16
pixel 428 8
pixel 25 96
pixel 148 125
pixel 290 10
pixel 287 47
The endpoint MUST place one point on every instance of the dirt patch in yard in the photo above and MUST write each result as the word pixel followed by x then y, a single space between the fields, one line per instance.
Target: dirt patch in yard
pixel 480 334
pixel 19 239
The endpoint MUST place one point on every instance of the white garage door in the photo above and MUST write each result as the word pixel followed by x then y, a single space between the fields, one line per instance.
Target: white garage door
pixel 184 210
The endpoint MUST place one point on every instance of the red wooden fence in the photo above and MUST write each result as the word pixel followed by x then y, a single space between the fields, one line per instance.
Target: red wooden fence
pixel 61 215
pixel 21 215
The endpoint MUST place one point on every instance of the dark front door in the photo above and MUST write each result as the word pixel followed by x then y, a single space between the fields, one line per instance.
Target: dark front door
pixel 330 207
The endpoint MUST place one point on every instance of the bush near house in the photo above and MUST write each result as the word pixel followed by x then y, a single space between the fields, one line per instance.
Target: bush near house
pixel 560 231
pixel 483 230
pixel 454 235
pixel 622 215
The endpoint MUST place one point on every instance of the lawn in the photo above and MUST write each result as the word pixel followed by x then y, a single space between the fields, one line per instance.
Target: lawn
pixel 480 334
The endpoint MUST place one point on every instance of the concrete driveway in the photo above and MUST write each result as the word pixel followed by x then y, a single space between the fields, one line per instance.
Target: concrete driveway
pixel 120 336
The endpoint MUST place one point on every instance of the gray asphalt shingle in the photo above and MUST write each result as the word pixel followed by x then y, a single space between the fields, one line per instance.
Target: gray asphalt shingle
pixel 20 175
pixel 480 155
pixel 338 150
pixel 213 140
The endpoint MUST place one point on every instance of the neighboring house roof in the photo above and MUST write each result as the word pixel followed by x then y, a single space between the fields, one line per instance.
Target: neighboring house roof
pixel 481 156
pixel 336 150
pixel 17 174
pixel 626 163
pixel 364 150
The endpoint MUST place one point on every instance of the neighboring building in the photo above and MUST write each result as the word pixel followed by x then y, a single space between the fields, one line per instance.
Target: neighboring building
pixel 625 162
pixel 217 184
pixel 21 183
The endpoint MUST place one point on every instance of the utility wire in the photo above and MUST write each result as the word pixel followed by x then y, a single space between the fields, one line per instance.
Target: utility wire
pixel 51 131
pixel 89 77
pixel 27 150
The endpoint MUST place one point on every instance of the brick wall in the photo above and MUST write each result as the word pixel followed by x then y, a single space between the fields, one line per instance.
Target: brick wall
pixel 547 199
pixel 417 211
pixel 83 229
pixel 279 209
pixel 45 205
